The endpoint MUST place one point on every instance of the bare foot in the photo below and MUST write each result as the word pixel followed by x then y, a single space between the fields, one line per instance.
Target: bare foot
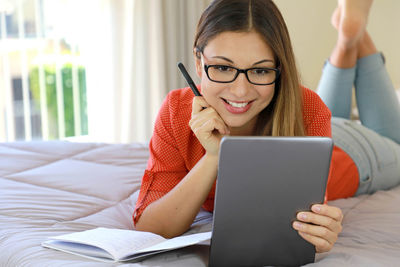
pixel 353 20
pixel 335 19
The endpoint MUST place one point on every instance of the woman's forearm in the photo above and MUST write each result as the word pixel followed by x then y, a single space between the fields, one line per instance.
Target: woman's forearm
pixel 173 214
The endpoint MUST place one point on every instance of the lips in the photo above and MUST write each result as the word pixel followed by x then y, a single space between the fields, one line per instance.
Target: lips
pixel 237 107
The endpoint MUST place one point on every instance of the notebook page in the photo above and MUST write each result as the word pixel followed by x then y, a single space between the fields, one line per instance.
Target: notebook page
pixel 178 242
pixel 119 243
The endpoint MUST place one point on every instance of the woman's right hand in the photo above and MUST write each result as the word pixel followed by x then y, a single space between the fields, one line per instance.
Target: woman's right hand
pixel 207 125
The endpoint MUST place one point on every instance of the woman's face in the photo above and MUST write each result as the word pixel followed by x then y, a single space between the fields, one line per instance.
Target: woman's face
pixel 238 102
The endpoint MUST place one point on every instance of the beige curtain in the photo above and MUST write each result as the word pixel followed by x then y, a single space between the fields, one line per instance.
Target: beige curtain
pixel 145 39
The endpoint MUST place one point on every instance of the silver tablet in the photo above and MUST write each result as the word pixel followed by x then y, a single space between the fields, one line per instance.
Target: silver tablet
pixel 262 183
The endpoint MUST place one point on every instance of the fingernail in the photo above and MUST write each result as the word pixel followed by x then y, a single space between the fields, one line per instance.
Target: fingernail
pixel 297 225
pixel 302 216
pixel 316 208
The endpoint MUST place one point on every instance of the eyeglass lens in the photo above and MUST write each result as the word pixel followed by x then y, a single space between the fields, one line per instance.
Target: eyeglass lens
pixel 221 73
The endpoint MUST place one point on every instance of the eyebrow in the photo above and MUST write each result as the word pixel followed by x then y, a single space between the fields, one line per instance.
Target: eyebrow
pixel 258 62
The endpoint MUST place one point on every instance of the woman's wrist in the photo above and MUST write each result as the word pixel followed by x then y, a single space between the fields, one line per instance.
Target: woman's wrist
pixel 211 160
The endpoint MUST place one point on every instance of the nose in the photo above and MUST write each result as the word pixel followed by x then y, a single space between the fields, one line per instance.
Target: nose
pixel 240 86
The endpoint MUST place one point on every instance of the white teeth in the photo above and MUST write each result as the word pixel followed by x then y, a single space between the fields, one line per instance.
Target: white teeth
pixel 237 105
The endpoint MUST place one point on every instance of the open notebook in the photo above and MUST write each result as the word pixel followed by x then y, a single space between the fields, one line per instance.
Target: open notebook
pixel 111 245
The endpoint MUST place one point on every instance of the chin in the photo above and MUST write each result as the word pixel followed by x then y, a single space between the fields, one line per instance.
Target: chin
pixel 241 122
pixel 236 124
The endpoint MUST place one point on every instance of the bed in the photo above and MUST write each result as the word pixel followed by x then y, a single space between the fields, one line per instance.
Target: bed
pixel 58 187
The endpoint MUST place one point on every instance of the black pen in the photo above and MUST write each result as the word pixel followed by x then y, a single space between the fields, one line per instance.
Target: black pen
pixel 188 79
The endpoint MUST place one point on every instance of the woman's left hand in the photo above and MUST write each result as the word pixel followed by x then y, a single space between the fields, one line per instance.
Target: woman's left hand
pixel 320 226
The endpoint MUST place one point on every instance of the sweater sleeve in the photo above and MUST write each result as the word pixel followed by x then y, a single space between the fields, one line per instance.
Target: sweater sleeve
pixel 166 166
pixel 317 116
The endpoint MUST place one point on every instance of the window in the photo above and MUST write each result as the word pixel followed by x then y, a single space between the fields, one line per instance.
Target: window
pixel 42 76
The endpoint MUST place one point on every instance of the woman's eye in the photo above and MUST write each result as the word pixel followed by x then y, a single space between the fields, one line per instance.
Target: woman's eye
pixel 260 71
pixel 223 68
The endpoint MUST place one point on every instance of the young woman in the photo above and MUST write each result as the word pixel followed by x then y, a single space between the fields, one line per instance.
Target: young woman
pixel 249 86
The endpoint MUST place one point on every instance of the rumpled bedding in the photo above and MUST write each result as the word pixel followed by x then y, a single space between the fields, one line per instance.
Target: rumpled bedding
pixel 57 187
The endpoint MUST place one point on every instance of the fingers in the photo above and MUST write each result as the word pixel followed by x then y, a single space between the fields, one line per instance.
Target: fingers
pixel 321 237
pixel 316 231
pixel 321 245
pixel 320 227
pixel 323 215
pixel 206 118
pixel 199 104
pixel 207 122
pixel 207 125
pixel 330 211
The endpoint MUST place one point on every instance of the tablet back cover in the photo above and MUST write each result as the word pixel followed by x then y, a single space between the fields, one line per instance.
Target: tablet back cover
pixel 262 183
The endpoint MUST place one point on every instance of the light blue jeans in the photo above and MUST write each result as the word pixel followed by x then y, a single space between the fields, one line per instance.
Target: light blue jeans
pixel 373 144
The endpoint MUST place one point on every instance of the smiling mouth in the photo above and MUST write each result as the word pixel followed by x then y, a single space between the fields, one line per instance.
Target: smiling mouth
pixel 236 104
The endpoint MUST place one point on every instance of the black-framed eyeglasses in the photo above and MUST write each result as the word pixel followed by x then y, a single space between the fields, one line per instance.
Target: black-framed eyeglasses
pixel 227 74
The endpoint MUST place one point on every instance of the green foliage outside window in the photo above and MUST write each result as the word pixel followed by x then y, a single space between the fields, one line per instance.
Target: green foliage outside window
pixel 51 95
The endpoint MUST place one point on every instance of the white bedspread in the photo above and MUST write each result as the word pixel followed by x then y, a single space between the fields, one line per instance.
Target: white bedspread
pixel 54 188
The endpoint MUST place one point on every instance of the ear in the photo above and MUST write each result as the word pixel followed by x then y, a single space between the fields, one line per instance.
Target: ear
pixel 197 60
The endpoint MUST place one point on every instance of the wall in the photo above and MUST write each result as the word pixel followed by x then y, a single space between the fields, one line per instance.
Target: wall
pixel 313 36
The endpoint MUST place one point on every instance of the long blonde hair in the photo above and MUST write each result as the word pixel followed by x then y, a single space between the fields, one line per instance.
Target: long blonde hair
pixel 284 115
